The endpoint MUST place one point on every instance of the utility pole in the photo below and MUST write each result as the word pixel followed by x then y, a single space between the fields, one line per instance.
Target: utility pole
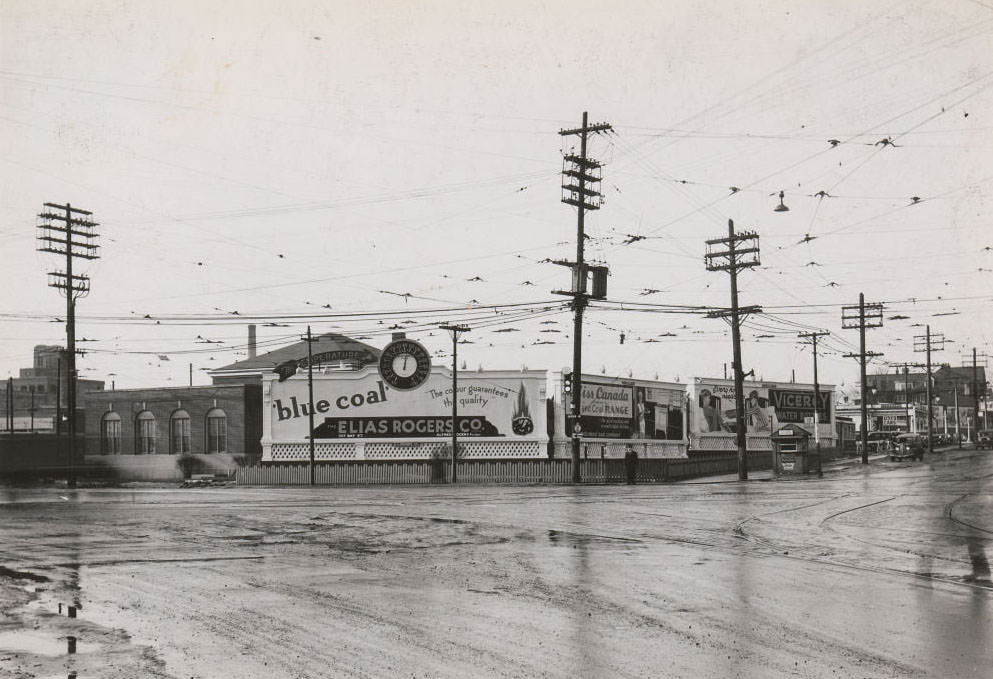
pixel 58 400
pixel 455 330
pixel 926 343
pixel 869 316
pixel 742 252
pixel 582 177
pixel 976 388
pixel 310 399
pixel 70 234
pixel 812 336
pixel 906 389
pixel 10 406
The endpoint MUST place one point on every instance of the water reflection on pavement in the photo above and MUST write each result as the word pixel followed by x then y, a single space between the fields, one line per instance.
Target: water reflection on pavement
pixel 869 572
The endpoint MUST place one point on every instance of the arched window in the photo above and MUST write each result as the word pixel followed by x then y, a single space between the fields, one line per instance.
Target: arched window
pixel 110 434
pixel 217 431
pixel 179 432
pixel 144 433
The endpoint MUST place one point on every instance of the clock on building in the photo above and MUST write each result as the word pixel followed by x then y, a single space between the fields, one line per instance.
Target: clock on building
pixel 405 364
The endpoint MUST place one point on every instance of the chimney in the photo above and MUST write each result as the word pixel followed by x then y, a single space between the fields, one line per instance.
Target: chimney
pixel 251 341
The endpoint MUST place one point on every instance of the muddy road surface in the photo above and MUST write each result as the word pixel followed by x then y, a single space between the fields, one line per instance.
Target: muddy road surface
pixel 869 572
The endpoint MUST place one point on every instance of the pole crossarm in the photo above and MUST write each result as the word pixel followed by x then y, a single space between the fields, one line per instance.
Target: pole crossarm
pixel 741 311
pixel 586 129
pixel 934 342
pixel 869 315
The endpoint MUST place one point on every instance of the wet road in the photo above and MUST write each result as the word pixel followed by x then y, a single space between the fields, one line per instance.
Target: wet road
pixel 878 572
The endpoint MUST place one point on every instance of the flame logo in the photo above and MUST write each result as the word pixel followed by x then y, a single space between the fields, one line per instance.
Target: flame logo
pixel 522 423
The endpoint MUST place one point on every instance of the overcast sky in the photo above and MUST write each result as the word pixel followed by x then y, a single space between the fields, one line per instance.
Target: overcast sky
pixel 318 158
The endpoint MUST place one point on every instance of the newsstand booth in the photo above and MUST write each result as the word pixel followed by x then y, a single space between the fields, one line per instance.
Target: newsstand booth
pixel 790 450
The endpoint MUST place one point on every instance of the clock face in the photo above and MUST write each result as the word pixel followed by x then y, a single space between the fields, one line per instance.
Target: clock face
pixel 405 364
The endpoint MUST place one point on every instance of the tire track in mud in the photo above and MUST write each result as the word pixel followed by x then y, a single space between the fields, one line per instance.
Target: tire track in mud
pixel 342 608
pixel 798 552
pixel 283 646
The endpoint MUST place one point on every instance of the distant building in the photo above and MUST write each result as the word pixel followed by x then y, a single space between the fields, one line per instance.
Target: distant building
pixel 42 390
pixel 329 351
pixel 958 396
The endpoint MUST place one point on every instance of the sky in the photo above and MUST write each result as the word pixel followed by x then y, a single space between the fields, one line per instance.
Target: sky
pixel 367 167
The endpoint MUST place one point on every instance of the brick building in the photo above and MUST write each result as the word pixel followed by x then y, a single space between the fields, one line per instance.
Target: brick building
pixel 204 420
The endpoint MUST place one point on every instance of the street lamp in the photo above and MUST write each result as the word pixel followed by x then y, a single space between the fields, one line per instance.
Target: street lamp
pixel 782 206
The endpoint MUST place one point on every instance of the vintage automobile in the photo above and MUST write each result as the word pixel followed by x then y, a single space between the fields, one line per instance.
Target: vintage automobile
pixel 907 446
pixel 984 438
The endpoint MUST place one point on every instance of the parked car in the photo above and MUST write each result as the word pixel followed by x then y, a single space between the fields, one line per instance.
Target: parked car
pixel 908 446
pixel 984 438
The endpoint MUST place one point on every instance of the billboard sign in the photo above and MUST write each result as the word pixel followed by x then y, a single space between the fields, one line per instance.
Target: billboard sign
pixel 766 407
pixel 362 405
pixel 633 410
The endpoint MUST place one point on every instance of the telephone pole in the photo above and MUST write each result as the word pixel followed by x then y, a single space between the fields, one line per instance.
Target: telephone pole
pixel 976 388
pixel 742 252
pixel 455 330
pixel 926 343
pixel 868 316
pixel 68 232
pixel 581 179
pixel 310 400
pixel 906 389
pixel 812 336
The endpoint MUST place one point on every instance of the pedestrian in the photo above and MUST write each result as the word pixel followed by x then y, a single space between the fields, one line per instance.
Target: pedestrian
pixel 631 465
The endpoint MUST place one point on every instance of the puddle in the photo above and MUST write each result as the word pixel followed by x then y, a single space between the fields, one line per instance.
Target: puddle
pixel 39 643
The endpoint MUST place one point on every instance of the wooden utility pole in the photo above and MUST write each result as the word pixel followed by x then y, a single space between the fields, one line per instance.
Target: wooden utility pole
pixel 455 330
pixel 310 402
pixel 69 234
pixel 869 316
pixel 581 176
pixel 742 252
pixel 812 336
pixel 927 343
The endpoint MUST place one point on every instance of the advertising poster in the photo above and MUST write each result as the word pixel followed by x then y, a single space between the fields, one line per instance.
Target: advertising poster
pixel 715 409
pixel 607 410
pixel 362 405
pixel 766 408
pixel 794 406
pixel 630 411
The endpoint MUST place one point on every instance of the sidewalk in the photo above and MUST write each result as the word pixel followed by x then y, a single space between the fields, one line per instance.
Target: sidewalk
pixel 830 467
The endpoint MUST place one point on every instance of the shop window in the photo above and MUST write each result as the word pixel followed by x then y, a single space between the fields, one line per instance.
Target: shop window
pixel 145 433
pixel 110 434
pixel 179 432
pixel 217 431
